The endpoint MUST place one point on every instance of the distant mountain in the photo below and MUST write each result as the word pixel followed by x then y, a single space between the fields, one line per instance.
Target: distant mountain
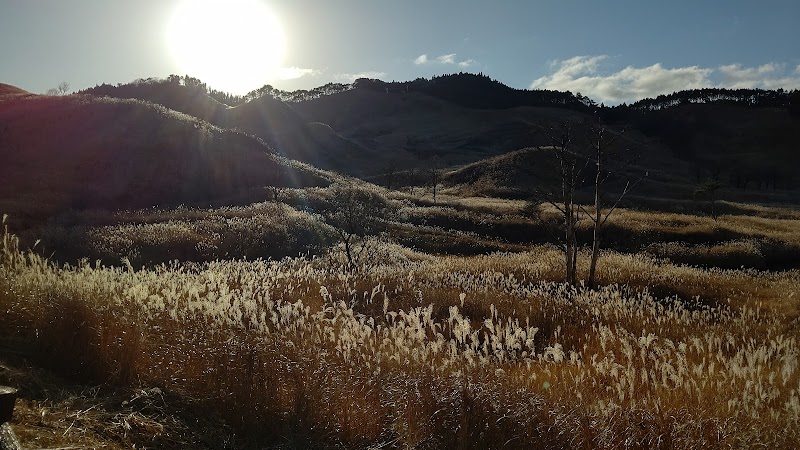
pixel 90 152
pixel 479 91
pixel 370 126
pixel 297 138
pixel 745 137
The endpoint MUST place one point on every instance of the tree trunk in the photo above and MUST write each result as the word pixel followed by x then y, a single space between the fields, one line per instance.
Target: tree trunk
pixel 596 219
pixel 570 242
pixel 714 208
pixel 595 257
pixel 569 254
pixel 574 269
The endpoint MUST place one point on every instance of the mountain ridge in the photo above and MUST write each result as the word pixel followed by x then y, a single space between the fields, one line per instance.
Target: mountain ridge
pixel 373 127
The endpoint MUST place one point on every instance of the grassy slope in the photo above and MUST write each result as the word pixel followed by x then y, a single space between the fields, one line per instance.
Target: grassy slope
pixel 180 98
pixel 293 136
pixel 410 128
pixel 301 353
pixel 269 119
pixel 7 89
pixel 84 151
pixel 670 185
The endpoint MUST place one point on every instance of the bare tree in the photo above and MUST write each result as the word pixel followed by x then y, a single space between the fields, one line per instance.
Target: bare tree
pixel 61 89
pixel 586 155
pixel 708 189
pixel 355 213
pixel 560 192
pixel 434 173
pixel 612 159
pixel 389 175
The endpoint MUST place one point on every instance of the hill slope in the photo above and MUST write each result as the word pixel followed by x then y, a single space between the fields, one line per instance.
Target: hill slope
pixel 270 119
pixel 189 100
pixel 412 128
pixel 88 152
pixel 8 90
pixel 747 147
pixel 297 138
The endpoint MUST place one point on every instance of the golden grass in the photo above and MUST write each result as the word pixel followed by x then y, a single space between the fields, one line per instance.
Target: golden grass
pixel 442 352
pixel 259 230
pixel 770 239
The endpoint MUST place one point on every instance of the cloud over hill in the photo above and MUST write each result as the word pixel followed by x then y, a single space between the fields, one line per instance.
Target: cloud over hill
pixel 585 74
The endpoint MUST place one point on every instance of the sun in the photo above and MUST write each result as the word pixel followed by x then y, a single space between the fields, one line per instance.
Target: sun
pixel 232 45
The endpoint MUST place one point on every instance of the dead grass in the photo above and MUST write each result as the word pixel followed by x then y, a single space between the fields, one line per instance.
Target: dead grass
pixel 149 237
pixel 417 351
pixel 53 412
pixel 767 239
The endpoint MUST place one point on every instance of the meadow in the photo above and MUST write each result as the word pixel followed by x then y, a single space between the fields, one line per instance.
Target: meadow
pixel 455 330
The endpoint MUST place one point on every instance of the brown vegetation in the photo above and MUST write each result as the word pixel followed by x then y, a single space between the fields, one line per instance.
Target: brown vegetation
pixel 420 351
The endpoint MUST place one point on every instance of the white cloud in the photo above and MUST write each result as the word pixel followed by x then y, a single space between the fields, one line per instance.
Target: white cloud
pixel 349 77
pixel 767 76
pixel 466 63
pixel 291 73
pixel 447 59
pixel 581 74
pixel 577 65
pixel 735 76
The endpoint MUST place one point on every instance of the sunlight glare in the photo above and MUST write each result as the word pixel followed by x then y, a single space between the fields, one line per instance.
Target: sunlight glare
pixel 232 45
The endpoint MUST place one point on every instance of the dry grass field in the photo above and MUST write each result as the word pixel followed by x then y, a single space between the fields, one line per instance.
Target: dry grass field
pixel 690 342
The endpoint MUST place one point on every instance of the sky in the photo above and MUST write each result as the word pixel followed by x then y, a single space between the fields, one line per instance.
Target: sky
pixel 612 50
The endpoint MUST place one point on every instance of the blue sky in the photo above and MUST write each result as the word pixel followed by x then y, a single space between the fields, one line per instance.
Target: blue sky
pixel 612 50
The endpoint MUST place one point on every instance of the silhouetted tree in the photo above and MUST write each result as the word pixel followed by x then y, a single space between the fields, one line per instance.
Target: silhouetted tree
pixel 355 213
pixel 708 189
pixel 560 192
pixel 434 172
pixel 585 155
pixel 611 158
pixel 389 175
pixel 61 89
